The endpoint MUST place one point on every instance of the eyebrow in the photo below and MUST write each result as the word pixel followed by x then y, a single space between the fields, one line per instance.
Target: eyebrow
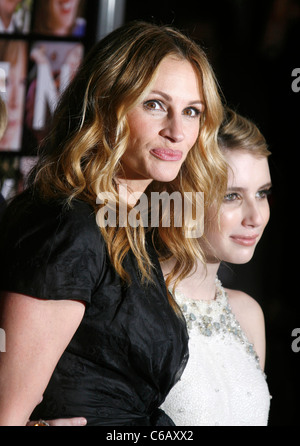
pixel 241 189
pixel 169 98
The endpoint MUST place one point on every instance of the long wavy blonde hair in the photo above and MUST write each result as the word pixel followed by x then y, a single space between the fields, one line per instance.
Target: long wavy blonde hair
pixel 82 155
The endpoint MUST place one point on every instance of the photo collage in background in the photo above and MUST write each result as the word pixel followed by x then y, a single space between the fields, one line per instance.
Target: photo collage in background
pixel 42 43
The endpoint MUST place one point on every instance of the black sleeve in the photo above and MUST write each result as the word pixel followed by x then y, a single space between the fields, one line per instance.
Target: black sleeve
pixel 53 252
pixel 2 205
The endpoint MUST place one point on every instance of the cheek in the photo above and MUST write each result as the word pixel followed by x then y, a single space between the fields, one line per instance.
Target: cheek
pixel 192 136
pixel 229 220
pixel 219 235
pixel 136 123
pixel 214 234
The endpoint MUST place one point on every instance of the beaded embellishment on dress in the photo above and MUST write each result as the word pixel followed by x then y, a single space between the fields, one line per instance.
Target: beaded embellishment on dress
pixel 214 317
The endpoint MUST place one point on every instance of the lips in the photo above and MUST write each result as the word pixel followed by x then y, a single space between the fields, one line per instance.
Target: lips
pixel 245 240
pixel 167 154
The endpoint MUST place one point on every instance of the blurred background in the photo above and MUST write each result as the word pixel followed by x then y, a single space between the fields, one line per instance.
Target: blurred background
pixel 254 47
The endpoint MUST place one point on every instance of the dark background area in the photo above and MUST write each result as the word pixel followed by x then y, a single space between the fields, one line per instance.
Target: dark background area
pixel 254 47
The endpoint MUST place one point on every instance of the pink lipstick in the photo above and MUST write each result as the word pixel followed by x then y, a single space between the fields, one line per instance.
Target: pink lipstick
pixel 244 240
pixel 167 154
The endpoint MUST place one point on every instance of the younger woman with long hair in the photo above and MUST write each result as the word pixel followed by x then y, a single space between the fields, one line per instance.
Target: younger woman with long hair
pixel 223 382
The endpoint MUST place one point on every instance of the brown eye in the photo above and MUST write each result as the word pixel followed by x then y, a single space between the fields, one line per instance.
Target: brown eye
pixel 153 105
pixel 191 112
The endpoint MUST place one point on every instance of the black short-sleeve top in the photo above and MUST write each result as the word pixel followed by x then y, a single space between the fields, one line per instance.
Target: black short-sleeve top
pixel 130 347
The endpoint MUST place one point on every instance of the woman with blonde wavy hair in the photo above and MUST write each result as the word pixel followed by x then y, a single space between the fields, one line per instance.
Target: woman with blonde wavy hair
pixel 88 320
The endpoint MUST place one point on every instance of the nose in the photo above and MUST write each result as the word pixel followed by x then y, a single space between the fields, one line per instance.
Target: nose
pixel 173 128
pixel 252 215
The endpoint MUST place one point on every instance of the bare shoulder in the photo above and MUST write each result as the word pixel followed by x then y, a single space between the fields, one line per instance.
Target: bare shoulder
pixel 250 316
pixel 243 305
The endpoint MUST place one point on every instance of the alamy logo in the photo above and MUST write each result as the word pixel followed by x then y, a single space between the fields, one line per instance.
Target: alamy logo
pixel 2 341
pixel 296 82
pixel 188 210
pixel 296 342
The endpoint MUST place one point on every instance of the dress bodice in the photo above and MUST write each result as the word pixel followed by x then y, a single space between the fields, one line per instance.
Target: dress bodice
pixel 222 383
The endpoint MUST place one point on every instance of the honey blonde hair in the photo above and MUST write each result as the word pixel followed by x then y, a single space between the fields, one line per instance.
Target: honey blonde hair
pixel 240 133
pixel 81 157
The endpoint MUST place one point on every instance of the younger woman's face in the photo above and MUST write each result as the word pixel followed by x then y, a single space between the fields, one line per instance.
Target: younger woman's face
pixel 244 212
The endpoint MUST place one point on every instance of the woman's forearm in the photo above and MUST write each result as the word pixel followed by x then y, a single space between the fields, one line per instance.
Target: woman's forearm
pixel 37 333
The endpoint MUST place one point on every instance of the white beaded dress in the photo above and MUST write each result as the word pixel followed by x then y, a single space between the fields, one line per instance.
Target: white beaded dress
pixel 222 384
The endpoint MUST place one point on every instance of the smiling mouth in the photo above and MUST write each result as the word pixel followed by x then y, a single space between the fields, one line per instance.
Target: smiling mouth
pixel 244 240
pixel 167 154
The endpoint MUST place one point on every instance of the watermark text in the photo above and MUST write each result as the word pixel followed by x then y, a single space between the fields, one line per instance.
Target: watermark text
pixel 296 342
pixel 160 208
pixel 296 82
pixel 2 341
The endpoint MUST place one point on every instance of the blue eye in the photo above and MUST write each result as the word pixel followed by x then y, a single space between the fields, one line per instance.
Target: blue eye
pixel 262 194
pixel 233 196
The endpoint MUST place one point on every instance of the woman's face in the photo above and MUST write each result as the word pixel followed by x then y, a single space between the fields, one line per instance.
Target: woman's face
pixel 164 126
pixel 15 96
pixel 8 6
pixel 62 14
pixel 244 212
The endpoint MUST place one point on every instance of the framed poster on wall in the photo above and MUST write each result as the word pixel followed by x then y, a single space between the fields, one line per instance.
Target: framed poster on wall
pixel 42 43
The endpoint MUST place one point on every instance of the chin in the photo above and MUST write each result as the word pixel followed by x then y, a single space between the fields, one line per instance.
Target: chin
pixel 239 259
pixel 166 177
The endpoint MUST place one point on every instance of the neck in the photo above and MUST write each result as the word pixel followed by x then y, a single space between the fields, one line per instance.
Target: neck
pixel 131 190
pixel 200 285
